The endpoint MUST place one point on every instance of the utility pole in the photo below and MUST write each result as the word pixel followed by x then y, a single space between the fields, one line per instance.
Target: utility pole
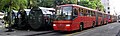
pixel 115 11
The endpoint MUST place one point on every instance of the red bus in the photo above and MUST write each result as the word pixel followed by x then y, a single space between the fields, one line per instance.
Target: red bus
pixel 105 21
pixel 72 17
pixel 114 18
pixel 109 18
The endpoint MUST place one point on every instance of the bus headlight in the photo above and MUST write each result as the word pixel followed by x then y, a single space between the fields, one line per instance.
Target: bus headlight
pixel 67 24
pixel 54 24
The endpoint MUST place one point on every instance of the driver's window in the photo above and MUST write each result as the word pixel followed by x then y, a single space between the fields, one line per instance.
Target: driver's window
pixel 75 12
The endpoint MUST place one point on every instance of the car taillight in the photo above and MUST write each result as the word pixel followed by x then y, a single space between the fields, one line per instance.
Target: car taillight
pixel 54 24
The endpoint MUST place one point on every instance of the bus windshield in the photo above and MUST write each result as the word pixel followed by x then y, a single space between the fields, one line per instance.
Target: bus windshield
pixel 64 13
pixel 109 17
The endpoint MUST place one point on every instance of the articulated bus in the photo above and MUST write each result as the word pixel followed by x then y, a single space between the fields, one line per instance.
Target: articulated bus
pixel 72 17
pixel 109 18
pixel 105 18
pixel 114 18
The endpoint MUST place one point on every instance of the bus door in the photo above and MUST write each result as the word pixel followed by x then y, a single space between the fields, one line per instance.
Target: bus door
pixel 75 18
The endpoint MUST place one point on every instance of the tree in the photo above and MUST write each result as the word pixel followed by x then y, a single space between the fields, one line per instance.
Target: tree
pixel 94 4
pixel 16 4
pixel 50 3
pixel 68 2
pixel 46 3
pixel 9 5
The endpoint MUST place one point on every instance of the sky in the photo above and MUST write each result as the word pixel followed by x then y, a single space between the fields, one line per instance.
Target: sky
pixel 115 4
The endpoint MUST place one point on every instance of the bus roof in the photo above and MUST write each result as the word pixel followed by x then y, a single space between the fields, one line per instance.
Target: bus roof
pixel 27 9
pixel 79 6
pixel 47 10
pixel 14 11
pixel 1 13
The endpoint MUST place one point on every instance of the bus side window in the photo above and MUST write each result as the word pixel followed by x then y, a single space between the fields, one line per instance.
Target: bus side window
pixel 75 13
pixel 89 13
pixel 104 16
pixel 85 12
pixel 80 13
pixel 92 13
pixel 100 14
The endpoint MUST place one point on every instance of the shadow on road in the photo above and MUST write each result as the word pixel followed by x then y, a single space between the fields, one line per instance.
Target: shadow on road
pixel 39 33
pixel 118 34
pixel 53 33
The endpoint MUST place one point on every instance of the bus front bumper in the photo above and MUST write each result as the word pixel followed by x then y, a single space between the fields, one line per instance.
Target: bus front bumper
pixel 62 27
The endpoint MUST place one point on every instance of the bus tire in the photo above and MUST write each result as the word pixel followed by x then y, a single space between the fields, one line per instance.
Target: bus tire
pixel 100 23
pixel 93 24
pixel 106 22
pixel 81 26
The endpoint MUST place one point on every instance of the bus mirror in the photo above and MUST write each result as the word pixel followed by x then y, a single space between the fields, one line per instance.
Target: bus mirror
pixel 2 21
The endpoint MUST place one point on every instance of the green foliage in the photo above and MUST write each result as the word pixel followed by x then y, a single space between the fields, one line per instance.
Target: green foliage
pixel 21 4
pixel 51 3
pixel 9 5
pixel 15 4
pixel 67 2
pixel 94 4
pixel 46 3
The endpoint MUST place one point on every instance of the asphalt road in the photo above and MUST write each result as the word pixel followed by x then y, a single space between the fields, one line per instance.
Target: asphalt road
pixel 111 29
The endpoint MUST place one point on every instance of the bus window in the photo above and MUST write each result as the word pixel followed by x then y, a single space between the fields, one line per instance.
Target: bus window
pixel 84 12
pixel 88 13
pixel 75 13
pixel 59 11
pixel 109 17
pixel 81 13
pixel 64 13
pixel 104 16
pixel 92 13
pixel 100 14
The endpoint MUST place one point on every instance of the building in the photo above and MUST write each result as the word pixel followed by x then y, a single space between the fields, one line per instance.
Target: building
pixel 106 5
pixel 109 7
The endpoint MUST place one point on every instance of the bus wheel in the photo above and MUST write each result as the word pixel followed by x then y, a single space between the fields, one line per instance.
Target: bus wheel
pixel 93 25
pixel 81 26
pixel 100 23
pixel 106 22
